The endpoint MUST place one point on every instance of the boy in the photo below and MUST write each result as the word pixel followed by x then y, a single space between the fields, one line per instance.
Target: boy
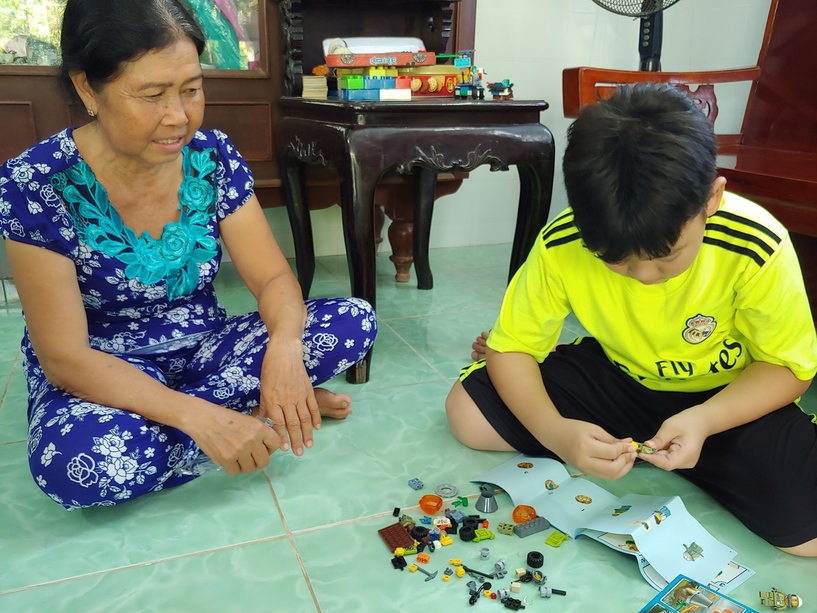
pixel 701 336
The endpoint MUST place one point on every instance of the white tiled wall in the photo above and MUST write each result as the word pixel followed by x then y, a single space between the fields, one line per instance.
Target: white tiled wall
pixel 530 42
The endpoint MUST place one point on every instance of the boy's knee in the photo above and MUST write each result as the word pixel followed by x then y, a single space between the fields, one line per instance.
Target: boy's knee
pixel 458 409
pixel 805 550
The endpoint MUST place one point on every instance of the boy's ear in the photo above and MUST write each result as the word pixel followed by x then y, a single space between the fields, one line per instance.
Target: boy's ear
pixel 715 197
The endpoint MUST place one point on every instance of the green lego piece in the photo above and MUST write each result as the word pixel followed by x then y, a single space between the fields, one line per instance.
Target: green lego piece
pixel 556 539
pixel 350 82
pixel 505 528
pixel 482 534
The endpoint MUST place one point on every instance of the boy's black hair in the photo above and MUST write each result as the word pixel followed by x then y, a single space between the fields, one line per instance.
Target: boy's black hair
pixel 99 36
pixel 637 168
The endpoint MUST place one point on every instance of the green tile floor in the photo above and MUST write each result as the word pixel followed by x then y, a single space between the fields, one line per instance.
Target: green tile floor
pixel 302 536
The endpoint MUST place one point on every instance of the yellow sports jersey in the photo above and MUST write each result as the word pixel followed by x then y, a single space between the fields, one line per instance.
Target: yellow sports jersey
pixel 742 300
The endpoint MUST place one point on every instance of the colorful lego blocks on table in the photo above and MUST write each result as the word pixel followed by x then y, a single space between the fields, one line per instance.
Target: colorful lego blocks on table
pixel 375 86
pixel 537 524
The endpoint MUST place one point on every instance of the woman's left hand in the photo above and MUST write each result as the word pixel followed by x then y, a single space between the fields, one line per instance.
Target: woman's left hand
pixel 287 396
pixel 678 442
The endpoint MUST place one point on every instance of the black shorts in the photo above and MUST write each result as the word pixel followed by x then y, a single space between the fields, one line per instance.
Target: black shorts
pixel 764 472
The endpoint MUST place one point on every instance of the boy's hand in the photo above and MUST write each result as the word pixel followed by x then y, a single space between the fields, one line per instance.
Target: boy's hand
pixel 593 451
pixel 677 443
pixel 479 346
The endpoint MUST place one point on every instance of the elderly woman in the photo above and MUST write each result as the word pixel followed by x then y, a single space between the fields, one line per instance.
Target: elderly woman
pixel 114 236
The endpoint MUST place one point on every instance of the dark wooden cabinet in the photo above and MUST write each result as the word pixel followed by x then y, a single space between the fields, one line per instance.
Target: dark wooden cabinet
pixel 244 103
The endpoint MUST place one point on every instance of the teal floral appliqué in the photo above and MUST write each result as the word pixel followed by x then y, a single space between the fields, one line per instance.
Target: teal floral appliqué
pixel 183 245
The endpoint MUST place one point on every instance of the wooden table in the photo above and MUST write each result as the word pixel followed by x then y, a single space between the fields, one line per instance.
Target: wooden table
pixel 364 140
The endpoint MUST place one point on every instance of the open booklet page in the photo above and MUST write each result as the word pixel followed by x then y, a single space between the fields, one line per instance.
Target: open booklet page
pixel 658 531
pixel 684 595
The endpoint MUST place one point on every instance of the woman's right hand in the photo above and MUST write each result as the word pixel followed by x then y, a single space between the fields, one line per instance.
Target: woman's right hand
pixel 590 449
pixel 238 442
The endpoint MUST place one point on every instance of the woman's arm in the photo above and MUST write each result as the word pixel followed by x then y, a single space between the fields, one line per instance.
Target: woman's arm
pixel 287 396
pixel 57 326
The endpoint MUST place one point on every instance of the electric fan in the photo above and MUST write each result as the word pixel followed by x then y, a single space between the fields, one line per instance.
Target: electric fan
pixel 652 25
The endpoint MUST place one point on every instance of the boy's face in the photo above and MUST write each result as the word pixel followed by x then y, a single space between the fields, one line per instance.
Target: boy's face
pixel 683 253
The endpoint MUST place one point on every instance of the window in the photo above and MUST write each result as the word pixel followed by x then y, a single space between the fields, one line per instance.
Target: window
pixel 30 32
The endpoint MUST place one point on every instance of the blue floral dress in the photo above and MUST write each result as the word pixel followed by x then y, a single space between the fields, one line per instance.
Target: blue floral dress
pixel 152 303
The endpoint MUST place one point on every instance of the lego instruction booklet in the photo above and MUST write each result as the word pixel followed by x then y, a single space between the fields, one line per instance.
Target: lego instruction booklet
pixel 657 531
pixel 682 594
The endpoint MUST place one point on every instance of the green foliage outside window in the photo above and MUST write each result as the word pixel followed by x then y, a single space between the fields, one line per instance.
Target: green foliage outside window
pixel 30 32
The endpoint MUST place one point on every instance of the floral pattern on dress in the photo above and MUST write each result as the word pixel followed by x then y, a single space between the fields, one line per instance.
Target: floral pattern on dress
pixel 84 454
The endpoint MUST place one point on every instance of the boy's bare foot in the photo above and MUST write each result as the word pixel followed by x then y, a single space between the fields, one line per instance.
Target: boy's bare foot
pixel 333 405
pixel 479 347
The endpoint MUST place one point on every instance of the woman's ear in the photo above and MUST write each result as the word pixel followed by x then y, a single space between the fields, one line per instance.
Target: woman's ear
pixel 716 195
pixel 85 91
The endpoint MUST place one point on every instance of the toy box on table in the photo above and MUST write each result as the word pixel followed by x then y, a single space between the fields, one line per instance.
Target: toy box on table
pixel 376 51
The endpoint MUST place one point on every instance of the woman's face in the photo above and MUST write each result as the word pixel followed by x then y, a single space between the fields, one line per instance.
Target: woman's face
pixel 154 107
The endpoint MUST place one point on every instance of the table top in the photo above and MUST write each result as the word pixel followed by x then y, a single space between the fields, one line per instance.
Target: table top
pixel 426 110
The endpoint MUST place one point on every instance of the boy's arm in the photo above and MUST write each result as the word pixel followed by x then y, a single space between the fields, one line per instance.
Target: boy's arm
pixel 757 391
pixel 585 446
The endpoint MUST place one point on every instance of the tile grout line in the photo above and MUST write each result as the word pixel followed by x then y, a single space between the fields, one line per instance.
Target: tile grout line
pixel 419 355
pixel 106 571
pixel 288 534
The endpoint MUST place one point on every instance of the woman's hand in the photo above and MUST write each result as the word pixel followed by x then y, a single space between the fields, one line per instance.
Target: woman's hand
pixel 678 442
pixel 590 449
pixel 238 442
pixel 287 396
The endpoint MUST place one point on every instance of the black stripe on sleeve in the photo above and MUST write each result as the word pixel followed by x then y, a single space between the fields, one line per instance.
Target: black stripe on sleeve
pixel 736 249
pixel 561 241
pixel 749 222
pixel 553 230
pixel 741 235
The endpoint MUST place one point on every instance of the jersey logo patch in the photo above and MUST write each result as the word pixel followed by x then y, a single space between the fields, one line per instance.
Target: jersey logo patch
pixel 699 328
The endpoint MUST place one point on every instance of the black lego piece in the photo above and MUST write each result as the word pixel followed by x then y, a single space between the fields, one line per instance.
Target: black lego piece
pixel 535 559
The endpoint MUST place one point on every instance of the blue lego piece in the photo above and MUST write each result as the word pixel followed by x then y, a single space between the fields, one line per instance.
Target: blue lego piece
pixel 415 483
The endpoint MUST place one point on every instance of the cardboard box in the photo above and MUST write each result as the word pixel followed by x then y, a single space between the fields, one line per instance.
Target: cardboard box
pixel 432 80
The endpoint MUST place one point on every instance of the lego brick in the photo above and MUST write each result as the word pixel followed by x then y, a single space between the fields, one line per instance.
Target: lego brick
pixel 532 526
pixel 395 94
pixel 396 536
pixel 505 528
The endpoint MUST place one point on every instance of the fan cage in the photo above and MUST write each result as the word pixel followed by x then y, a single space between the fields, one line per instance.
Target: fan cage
pixel 635 8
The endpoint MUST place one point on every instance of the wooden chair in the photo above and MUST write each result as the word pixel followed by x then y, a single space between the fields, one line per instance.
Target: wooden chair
pixel 773 159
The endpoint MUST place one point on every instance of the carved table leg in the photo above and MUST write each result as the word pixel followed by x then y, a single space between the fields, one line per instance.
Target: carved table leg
pixel 293 182
pixel 425 189
pixel 357 185
pixel 535 189
pixel 401 231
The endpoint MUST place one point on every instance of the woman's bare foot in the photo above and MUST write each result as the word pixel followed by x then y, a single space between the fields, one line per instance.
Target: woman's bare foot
pixel 479 347
pixel 332 405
